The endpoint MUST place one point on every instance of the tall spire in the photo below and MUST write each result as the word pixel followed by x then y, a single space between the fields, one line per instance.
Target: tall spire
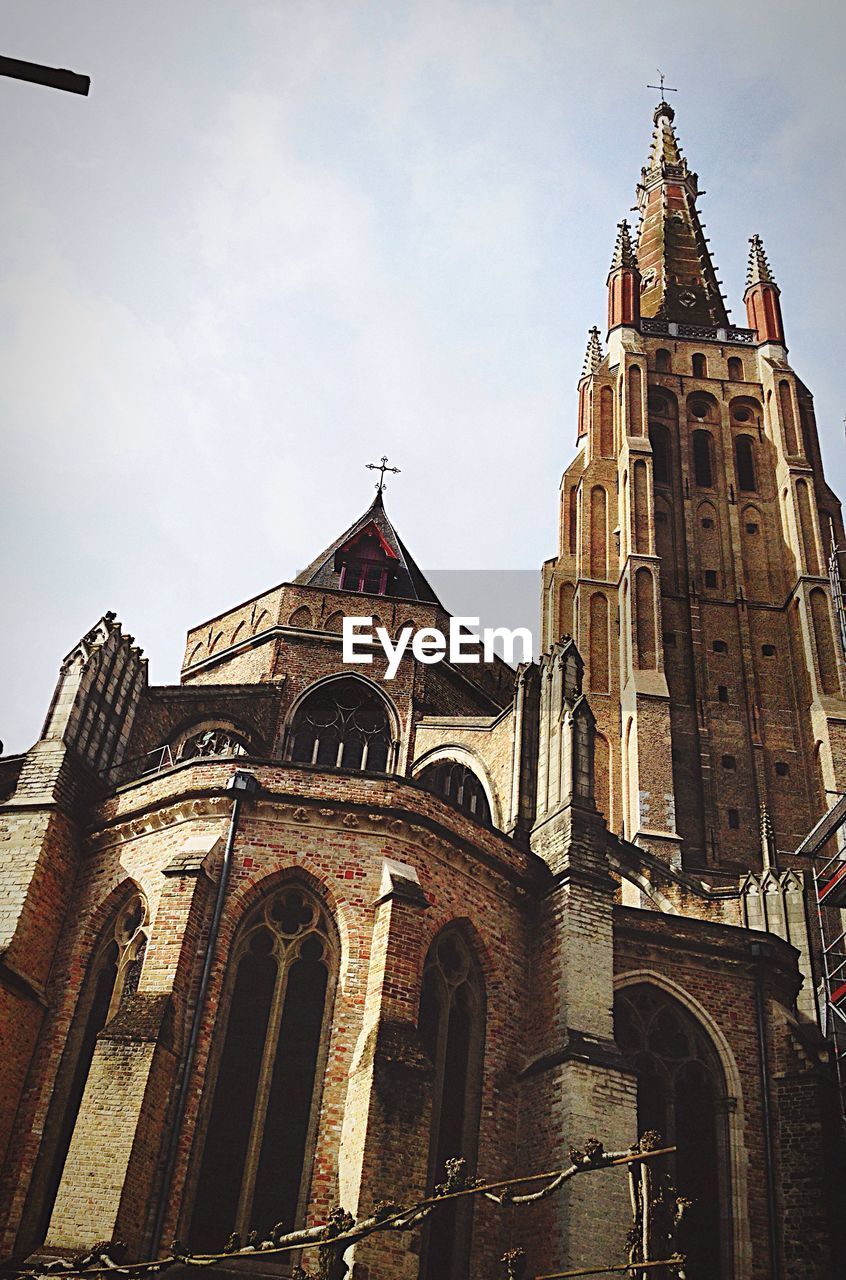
pixel 679 279
pixel 593 355
pixel 763 308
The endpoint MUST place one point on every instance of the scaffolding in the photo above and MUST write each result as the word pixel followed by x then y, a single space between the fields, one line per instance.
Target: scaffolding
pixel 828 872
pixel 837 587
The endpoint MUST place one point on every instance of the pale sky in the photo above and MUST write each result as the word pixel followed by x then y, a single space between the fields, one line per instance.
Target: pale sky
pixel 280 239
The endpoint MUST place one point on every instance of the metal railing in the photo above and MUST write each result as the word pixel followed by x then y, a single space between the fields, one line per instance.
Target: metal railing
pixel 656 326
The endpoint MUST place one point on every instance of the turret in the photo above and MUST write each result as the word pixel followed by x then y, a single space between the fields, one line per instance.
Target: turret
pixel 762 296
pixel 593 359
pixel 623 282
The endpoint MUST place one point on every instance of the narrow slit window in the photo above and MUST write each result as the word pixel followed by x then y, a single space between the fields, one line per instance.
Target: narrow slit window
pixel 702 461
pixel 744 452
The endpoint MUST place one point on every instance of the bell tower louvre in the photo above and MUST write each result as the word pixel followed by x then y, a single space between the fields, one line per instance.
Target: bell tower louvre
pixel 696 527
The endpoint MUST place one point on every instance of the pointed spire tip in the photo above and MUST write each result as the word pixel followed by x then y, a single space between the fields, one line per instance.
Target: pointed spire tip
pixel 758 270
pixel 624 252
pixel 593 355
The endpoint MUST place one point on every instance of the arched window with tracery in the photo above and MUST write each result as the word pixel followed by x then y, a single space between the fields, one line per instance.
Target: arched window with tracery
pixel 457 783
pixel 113 974
pixel 681 1093
pixel 452 1028
pixel 342 723
pixel 267 1070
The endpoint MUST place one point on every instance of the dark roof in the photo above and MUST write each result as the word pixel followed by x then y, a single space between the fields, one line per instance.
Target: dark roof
pixel 409 582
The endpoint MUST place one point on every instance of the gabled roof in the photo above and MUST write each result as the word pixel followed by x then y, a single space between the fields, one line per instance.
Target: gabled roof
pixel 409 580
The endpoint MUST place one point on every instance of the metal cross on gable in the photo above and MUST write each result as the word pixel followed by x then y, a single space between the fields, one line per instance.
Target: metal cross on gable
pixel 381 468
pixel 662 88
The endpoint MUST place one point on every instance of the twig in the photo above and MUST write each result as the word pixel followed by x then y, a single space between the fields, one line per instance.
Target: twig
pixel 675 1261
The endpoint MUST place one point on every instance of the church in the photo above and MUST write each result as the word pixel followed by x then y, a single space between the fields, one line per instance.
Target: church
pixel 287 935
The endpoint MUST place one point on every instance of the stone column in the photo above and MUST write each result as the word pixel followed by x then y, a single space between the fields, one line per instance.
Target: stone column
pixel 575 1087
pixel 109 1178
pixel 385 1136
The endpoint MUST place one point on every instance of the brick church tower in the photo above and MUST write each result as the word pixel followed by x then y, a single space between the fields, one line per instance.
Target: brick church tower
pixel 695 530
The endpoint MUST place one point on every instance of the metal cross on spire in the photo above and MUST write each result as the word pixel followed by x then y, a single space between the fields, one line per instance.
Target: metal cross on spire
pixel 381 468
pixel 661 87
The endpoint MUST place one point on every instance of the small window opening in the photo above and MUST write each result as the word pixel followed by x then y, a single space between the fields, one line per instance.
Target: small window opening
pixel 751 527
pixel 782 768
pixel 735 369
pixel 729 762
pixel 669 638
pixel 662 360
pixel 700 366
pixel 722 692
pixel 734 819
pixel 768 650
pixel 707 523
pixel 720 646
pixel 711 578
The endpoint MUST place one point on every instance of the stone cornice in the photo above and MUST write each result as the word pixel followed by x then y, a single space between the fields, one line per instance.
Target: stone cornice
pixel 503 860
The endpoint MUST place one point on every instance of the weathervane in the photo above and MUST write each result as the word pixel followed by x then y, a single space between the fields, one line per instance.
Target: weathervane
pixel 375 466
pixel 662 88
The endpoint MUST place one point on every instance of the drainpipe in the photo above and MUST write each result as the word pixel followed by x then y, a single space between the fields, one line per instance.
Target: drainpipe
pixel 759 952
pixel 241 783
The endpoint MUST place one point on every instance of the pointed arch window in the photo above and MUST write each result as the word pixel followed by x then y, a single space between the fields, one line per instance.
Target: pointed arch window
pixel 457 783
pixel 254 1167
pixel 681 1093
pixel 703 467
pixel 452 1028
pixel 342 723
